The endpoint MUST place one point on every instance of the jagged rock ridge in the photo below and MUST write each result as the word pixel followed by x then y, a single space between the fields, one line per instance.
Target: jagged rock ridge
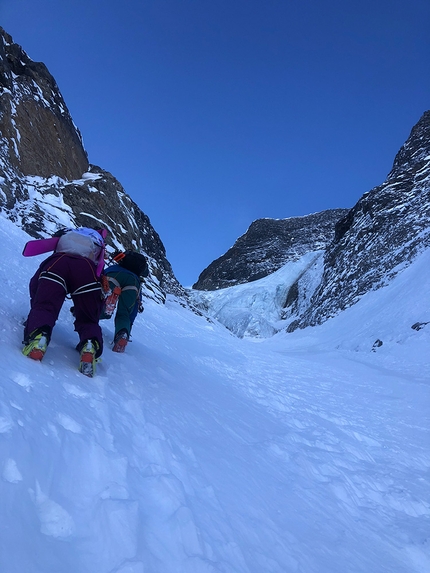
pixel 46 180
pixel 267 245
pixel 38 136
pixel 361 250
pixel 380 236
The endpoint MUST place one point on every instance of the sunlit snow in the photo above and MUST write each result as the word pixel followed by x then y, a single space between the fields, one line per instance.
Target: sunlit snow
pixel 199 452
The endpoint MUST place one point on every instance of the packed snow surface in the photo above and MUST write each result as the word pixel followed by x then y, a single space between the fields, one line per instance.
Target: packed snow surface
pixel 199 452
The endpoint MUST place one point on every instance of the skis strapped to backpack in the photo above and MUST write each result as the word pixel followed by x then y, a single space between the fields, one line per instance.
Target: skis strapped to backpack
pixel 40 246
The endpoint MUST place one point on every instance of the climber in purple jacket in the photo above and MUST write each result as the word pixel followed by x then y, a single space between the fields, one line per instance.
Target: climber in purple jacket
pixel 72 269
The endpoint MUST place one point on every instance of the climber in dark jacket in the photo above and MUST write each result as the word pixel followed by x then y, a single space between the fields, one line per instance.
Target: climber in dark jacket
pixel 125 279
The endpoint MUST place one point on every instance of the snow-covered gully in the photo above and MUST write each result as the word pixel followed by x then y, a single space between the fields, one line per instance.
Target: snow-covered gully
pixel 199 452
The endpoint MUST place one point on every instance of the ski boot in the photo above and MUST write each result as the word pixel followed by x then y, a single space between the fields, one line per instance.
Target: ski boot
pixel 88 360
pixel 36 344
pixel 120 341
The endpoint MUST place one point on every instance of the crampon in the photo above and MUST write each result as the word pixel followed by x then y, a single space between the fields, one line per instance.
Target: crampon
pixel 36 346
pixel 120 341
pixel 88 360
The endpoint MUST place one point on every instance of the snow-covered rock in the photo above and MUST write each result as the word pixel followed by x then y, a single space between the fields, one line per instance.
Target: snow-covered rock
pixel 46 181
pixel 361 250
pixel 259 308
pixel 267 245
pixel 381 235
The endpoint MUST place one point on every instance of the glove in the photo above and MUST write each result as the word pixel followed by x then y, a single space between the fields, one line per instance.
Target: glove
pixel 140 308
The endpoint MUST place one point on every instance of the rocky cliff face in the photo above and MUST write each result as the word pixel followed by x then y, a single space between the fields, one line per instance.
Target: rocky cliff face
pixel 47 182
pixel 38 136
pixel 45 179
pixel 380 236
pixel 352 252
pixel 267 245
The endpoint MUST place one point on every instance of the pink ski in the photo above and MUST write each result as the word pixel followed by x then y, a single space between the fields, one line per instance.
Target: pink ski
pixel 39 246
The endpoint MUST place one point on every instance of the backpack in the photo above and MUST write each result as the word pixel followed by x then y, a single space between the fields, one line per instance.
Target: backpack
pixel 134 262
pixel 82 241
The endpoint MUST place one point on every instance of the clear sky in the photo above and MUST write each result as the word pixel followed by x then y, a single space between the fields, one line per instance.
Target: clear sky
pixel 213 113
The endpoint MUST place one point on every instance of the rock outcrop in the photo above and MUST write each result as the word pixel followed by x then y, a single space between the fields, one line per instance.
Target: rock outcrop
pixel 46 180
pixel 355 251
pixel 38 136
pixel 380 235
pixel 267 245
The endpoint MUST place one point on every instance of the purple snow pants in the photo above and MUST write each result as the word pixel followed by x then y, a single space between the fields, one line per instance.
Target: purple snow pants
pixel 47 296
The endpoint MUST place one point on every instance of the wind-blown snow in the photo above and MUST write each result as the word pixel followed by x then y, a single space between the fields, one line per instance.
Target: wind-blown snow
pixel 198 452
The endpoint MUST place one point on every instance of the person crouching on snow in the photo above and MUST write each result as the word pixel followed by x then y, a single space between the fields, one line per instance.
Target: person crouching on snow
pixel 74 268
pixel 125 294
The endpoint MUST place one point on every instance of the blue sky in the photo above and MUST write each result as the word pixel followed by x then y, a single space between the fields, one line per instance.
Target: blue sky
pixel 213 113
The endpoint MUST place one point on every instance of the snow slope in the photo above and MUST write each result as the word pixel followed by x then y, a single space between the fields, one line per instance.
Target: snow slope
pixel 199 452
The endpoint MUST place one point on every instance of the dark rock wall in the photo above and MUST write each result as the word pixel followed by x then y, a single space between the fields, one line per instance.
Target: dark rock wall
pixel 381 235
pixel 45 179
pixel 363 248
pixel 267 245
pixel 35 124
